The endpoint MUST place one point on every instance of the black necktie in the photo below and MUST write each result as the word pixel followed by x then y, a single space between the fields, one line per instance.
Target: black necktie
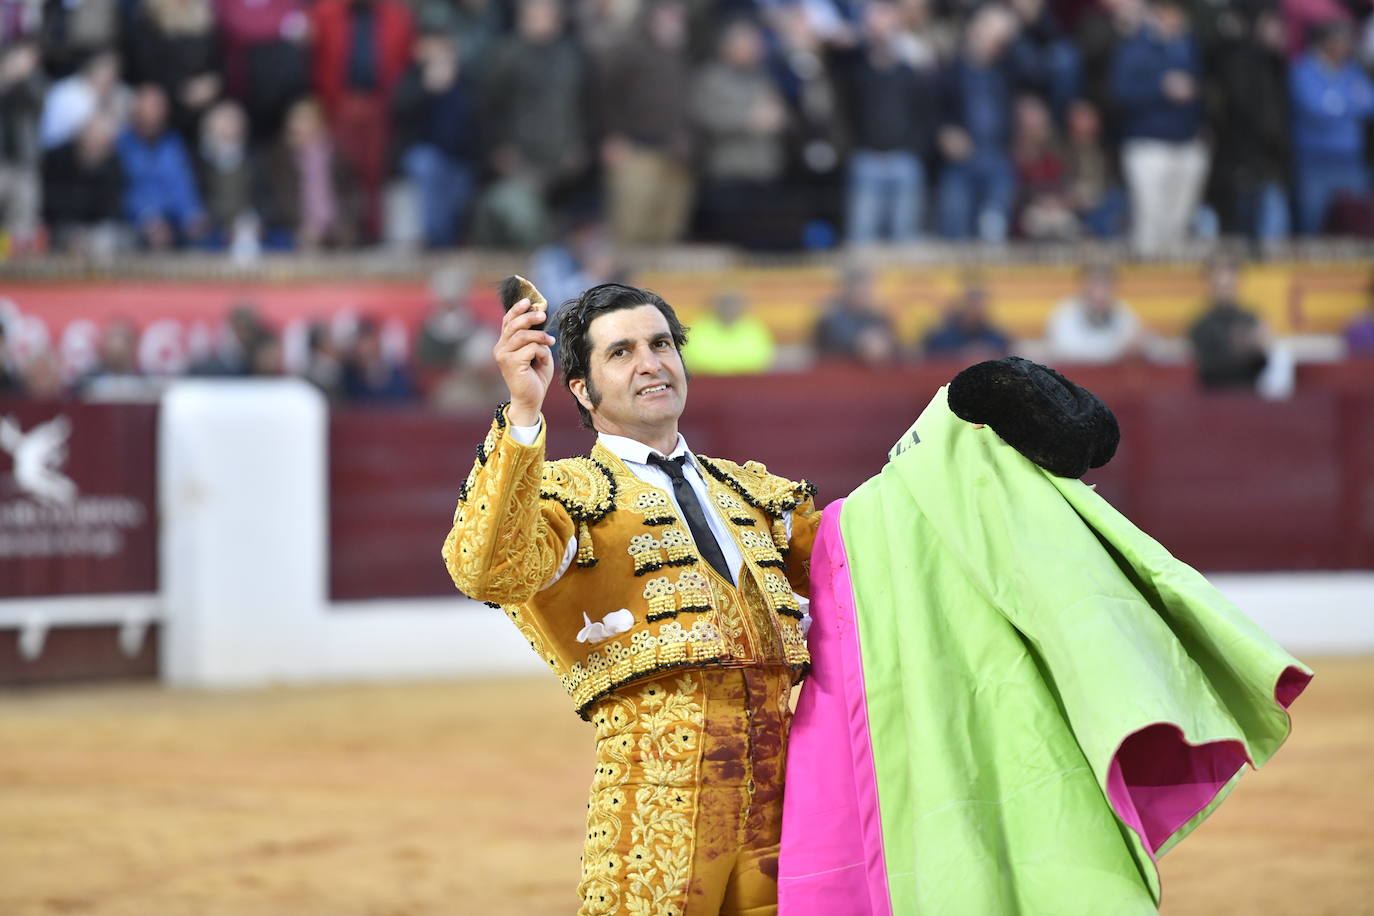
pixel 691 507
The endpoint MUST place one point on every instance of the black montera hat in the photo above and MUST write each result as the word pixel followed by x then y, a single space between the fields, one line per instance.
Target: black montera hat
pixel 1061 427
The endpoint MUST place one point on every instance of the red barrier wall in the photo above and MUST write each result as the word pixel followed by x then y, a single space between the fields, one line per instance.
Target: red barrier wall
pixel 78 511
pixel 78 653
pixel 1227 482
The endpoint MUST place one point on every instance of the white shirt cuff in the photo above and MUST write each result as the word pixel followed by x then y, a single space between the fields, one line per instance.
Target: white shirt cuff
pixel 526 435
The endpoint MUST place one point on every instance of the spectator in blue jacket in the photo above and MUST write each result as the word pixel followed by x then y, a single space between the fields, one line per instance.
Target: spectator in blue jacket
pixel 978 183
pixel 1156 76
pixel 369 375
pixel 1332 98
pixel 434 111
pixel 965 332
pixel 160 197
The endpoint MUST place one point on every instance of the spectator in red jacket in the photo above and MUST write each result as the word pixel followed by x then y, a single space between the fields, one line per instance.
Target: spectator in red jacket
pixel 361 50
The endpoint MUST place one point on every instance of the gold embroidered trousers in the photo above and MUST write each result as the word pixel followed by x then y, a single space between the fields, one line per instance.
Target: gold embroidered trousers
pixel 685 811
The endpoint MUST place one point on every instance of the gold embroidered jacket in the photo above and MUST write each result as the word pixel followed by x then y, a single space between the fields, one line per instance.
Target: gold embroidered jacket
pixel 638 599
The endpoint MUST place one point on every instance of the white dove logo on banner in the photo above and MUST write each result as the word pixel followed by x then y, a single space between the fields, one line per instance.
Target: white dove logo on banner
pixel 38 458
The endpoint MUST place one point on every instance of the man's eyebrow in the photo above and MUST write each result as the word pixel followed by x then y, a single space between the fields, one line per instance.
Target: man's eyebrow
pixel 627 341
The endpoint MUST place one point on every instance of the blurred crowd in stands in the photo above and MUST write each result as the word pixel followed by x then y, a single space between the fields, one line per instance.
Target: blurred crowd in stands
pixel 446 360
pixel 249 125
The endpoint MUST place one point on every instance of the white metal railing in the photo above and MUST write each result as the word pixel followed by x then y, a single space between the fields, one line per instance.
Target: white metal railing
pixel 34 617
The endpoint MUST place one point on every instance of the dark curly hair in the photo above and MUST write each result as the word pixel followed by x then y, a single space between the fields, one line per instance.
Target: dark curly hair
pixel 575 319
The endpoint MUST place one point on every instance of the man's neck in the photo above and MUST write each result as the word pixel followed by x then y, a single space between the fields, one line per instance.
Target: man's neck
pixel 661 441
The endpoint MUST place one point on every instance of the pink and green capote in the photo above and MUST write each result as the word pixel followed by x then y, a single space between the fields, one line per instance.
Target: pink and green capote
pixel 1018 699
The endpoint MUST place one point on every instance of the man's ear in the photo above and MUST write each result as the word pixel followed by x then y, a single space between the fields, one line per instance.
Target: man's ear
pixel 578 387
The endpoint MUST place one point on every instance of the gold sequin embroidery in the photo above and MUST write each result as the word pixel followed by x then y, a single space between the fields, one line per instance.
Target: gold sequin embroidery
pixel 653 504
pixel 761 549
pixel 615 663
pixel 693 591
pixel 659 593
pixel 648 739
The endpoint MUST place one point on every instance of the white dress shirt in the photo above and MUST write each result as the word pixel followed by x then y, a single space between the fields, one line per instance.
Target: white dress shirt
pixel 1074 336
pixel 636 457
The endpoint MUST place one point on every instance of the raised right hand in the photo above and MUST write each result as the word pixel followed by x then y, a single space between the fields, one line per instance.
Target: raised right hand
pixel 526 362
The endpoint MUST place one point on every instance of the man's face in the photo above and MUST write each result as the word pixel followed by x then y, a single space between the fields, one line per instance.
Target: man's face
pixel 540 21
pixel 226 126
pixel 635 383
pixel 974 309
pixel 117 347
pixel 742 48
pixel 1337 46
pixel 150 111
pixel 882 21
pixel 858 292
pixel 96 140
pixel 1084 124
pixel 1098 292
pixel 368 346
pixel 1225 281
pixel 103 73
pixel 1171 19
pixel 668 25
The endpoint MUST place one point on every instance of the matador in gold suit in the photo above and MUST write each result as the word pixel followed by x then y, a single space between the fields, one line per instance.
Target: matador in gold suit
pixel 683 669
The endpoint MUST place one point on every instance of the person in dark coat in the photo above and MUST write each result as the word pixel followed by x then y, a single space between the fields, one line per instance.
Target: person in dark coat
pixel 965 332
pixel 640 98
pixel 266 58
pixel 1250 118
pixel 174 44
pixel 1229 343
pixel 853 327
pixel 309 197
pixel 21 99
pixel 532 123
pixel 434 116
pixel 83 186
pixel 892 105
pixel 369 377
pixel 226 169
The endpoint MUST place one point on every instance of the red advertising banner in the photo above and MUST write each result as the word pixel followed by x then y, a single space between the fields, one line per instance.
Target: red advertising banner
pixel 78 490
pixel 180 322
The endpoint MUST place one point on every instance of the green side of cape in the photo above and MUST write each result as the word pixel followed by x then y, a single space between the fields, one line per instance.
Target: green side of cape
pixel 1015 630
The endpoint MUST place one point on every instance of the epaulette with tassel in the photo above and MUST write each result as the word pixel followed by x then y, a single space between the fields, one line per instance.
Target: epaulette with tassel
pixel 775 495
pixel 586 489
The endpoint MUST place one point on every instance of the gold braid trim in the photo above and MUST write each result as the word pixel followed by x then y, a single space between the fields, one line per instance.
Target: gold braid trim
pixel 613 665
pixel 502 547
pixel 774 495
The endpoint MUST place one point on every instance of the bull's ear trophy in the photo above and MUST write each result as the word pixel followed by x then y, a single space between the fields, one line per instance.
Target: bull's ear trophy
pixel 514 288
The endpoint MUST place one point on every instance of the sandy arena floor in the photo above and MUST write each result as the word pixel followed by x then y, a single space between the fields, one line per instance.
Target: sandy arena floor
pixel 466 798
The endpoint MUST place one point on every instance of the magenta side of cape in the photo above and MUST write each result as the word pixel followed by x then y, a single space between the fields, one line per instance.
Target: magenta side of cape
pixel 1157 781
pixel 831 858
